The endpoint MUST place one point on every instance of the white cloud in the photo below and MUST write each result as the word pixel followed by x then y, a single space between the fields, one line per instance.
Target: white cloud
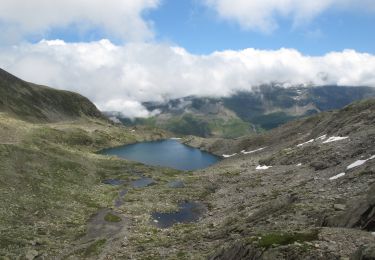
pixel 264 15
pixel 121 77
pixel 128 108
pixel 119 18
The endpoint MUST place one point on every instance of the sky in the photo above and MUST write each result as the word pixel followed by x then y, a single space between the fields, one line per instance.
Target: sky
pixel 120 53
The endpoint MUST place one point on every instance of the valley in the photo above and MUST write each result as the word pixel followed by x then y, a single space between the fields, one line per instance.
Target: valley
pixel 279 194
pixel 187 130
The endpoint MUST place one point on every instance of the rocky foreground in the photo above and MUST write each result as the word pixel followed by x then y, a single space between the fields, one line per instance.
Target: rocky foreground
pixel 305 190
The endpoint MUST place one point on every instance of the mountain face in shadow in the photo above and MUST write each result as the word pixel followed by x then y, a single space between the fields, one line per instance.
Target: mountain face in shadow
pixel 37 103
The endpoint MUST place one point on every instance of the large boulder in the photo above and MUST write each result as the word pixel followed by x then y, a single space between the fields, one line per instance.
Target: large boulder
pixel 359 214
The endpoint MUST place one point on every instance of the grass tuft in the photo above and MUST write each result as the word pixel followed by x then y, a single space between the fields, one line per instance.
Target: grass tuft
pixel 112 218
pixel 269 240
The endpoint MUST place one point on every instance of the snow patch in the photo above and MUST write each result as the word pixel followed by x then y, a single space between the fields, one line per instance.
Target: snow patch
pixel 310 141
pixel 356 164
pixel 175 138
pixel 335 138
pixel 359 162
pixel 321 137
pixel 254 151
pixel 300 164
pixel 229 155
pixel 263 167
pixel 338 176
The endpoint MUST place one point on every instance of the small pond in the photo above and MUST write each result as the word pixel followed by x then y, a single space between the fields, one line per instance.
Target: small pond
pixel 113 182
pixel 142 183
pixel 168 153
pixel 188 212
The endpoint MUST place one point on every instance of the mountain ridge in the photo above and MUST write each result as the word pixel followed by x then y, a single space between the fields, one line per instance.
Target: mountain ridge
pixel 38 103
pixel 266 107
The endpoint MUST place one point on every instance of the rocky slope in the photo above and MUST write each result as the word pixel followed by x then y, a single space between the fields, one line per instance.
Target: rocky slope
pixel 308 194
pixel 36 103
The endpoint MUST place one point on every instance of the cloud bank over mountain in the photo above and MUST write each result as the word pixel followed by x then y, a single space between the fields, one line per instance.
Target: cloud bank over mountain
pixel 121 77
pixel 138 68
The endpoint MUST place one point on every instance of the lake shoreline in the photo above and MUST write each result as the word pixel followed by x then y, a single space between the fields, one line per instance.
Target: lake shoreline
pixel 165 153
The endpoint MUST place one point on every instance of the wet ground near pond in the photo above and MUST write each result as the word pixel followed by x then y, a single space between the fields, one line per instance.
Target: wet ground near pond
pixel 105 223
pixel 120 199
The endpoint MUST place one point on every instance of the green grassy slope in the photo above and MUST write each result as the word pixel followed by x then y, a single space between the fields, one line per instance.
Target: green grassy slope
pixel 41 104
pixel 50 181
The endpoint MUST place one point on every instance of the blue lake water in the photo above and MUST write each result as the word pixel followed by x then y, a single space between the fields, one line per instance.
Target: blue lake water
pixel 167 153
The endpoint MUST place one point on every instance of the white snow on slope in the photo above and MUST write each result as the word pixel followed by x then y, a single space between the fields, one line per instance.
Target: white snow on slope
pixel 310 141
pixel 262 167
pixel 175 138
pixel 254 151
pixel 353 165
pixel 300 164
pixel 321 137
pixel 359 162
pixel 356 164
pixel 335 138
pixel 338 176
pixel 229 155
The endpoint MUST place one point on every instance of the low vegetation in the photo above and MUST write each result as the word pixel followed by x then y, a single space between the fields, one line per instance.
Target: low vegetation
pixel 112 218
pixel 282 238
